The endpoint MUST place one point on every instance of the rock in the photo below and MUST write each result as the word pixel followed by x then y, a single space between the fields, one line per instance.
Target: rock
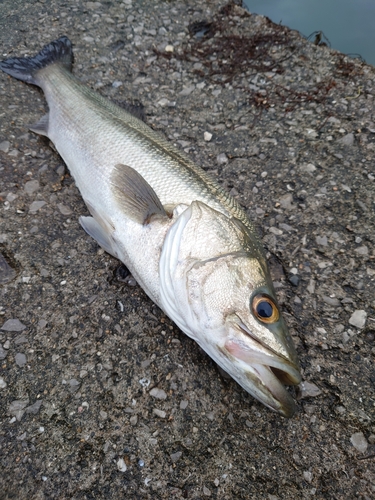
pixel 31 186
pixel 347 140
pixel 3 353
pixel 64 209
pixel 207 136
pixel 17 408
pixel 187 90
pixel 331 301
pixel 363 250
pixel 176 456
pixel 117 83
pixel 222 159
pixel 308 390
pixel 20 359
pixel 184 404
pixel 286 201
pixel 121 465
pixel 158 393
pixel 358 318
pixel 74 384
pixel 34 409
pixel 36 205
pixel 294 279
pixel 307 476
pixel 359 442
pixel 206 491
pixel 4 146
pixel 160 413
pixel 322 240
pixel 3 384
pixel 308 168
pixel 13 325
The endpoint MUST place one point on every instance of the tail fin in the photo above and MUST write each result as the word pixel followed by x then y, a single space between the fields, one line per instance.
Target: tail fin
pixel 26 68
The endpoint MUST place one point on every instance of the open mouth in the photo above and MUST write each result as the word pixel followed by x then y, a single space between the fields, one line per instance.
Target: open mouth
pixel 270 383
pixel 262 371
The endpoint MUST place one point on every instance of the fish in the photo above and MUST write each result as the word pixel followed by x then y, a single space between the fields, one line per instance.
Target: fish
pixel 186 241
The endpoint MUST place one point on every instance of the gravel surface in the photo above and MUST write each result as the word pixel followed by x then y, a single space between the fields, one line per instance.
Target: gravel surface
pixel 101 395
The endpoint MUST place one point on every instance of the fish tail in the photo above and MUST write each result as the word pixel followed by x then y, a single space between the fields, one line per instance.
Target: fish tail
pixel 27 68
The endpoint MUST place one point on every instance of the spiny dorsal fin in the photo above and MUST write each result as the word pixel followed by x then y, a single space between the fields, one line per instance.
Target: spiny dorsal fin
pixel 134 195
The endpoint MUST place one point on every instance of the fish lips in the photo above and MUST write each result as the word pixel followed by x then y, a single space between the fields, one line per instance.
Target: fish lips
pixel 263 372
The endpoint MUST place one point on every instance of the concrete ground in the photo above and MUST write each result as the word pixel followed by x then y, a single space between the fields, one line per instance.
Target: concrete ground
pixel 101 395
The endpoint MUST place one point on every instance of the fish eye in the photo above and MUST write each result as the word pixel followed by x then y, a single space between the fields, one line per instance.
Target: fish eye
pixel 265 309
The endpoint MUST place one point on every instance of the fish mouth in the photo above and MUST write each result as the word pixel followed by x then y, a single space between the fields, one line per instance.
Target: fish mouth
pixel 263 372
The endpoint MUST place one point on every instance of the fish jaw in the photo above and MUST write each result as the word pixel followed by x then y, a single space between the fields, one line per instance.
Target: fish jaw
pixel 259 370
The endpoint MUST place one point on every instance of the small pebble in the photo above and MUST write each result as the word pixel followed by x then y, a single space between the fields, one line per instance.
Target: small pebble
pixel 176 456
pixel 206 491
pixel 207 136
pixel 121 465
pixel 347 140
pixel 20 359
pixel 184 404
pixel 31 186
pixel 4 146
pixel 133 420
pixel 331 301
pixel 322 240
pixel 359 442
pixel 74 384
pixel 13 325
pixel 308 168
pixel 308 390
pixel 103 414
pixel 294 279
pixel 222 159
pixel 36 206
pixel 64 210
pixel 34 408
pixel 358 318
pixel 3 384
pixel 158 393
pixel 307 476
pixel 160 413
pixel 3 353
pixel 363 250
pixel 17 408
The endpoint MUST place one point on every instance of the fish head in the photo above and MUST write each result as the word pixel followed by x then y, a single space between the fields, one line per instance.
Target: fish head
pixel 221 294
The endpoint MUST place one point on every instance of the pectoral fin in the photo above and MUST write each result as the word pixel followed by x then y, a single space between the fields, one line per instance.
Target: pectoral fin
pixel 134 195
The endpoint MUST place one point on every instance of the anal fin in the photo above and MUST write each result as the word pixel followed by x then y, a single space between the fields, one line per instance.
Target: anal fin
pixel 41 126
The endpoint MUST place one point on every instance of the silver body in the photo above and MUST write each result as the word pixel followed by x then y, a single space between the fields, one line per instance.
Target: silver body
pixel 193 250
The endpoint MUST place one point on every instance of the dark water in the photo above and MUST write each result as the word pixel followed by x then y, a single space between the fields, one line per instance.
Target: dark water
pixel 349 25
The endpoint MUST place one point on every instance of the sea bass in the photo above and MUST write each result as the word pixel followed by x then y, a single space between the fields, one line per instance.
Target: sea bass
pixel 187 242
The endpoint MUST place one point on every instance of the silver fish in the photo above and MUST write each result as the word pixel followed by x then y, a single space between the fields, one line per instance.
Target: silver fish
pixel 186 241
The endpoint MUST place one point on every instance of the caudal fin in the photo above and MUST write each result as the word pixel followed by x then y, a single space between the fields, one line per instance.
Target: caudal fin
pixel 26 68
